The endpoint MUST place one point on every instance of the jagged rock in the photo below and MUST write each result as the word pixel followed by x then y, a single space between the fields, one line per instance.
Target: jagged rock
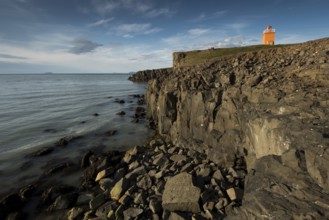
pixel 121 113
pixel 64 201
pixel 177 158
pixel 130 154
pixel 105 209
pixel 85 161
pixel 132 213
pixel 119 188
pixel 104 173
pixel 260 104
pixel 146 75
pixel 74 213
pixel 42 152
pixel 155 206
pixel 181 195
pixel 97 201
pixel 106 183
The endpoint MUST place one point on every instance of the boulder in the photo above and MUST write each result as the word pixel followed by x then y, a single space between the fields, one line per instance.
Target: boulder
pixel 180 194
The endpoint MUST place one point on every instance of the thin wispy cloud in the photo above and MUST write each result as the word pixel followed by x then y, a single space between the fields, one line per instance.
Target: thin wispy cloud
pixel 144 7
pixel 129 30
pixel 206 16
pixel 101 22
pixel 81 46
pixel 9 56
pixel 237 25
pixel 197 31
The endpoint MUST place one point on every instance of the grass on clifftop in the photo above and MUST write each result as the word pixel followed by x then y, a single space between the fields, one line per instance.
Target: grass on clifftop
pixel 199 56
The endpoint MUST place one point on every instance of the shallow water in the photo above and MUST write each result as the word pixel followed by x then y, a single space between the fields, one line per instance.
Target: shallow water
pixel 38 110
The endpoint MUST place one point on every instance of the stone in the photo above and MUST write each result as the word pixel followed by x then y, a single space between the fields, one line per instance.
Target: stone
pixel 85 162
pixel 121 113
pixel 133 165
pixel 131 176
pixel 104 173
pixel 111 132
pixel 119 212
pixel 130 154
pixel 231 194
pixel 132 213
pixel 145 182
pixel 155 206
pixel 177 158
pixel 111 215
pixel 187 167
pixel 84 198
pixel 176 216
pixel 181 195
pixel 160 160
pixel 222 202
pixel 218 176
pixel 74 213
pixel 104 209
pixel 119 188
pixel 172 150
pixel 124 200
pixel 97 201
pixel 106 183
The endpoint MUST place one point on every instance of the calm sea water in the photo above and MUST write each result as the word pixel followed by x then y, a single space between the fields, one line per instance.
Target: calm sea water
pixel 37 110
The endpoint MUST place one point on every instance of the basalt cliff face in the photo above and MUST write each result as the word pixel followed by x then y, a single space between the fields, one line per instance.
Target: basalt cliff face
pixel 270 106
pixel 146 75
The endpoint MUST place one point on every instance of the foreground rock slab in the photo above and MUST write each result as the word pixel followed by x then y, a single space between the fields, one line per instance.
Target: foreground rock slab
pixel 180 194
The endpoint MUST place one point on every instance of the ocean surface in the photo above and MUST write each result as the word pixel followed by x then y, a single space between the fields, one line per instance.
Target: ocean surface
pixel 36 110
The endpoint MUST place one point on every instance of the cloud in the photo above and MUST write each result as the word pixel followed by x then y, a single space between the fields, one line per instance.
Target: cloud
pixel 237 25
pixel 144 7
pixel 83 46
pixel 129 30
pixel 158 12
pixel 100 22
pixel 9 56
pixel 197 31
pixel 204 16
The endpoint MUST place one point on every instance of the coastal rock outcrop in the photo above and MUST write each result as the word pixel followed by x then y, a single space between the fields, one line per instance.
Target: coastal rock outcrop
pixel 269 106
pixel 146 75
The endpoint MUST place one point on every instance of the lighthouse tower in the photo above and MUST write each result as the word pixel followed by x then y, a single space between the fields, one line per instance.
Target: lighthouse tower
pixel 268 35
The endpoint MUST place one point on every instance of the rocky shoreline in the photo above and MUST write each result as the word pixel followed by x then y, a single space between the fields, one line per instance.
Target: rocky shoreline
pixel 154 181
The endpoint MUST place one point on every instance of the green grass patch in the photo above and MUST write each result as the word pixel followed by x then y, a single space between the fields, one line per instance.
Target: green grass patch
pixel 199 56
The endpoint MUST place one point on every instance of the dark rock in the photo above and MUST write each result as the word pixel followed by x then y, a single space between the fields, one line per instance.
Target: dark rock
pixel 111 132
pixel 181 195
pixel 64 201
pixel 64 141
pixel 17 216
pixel 95 114
pixel 58 168
pixel 132 213
pixel 97 201
pixel 75 213
pixel 42 152
pixel 121 113
pixel 106 208
pixel 85 161
pixel 12 203
pixel 155 206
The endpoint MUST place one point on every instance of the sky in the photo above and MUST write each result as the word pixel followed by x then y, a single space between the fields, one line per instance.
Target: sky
pixel 120 36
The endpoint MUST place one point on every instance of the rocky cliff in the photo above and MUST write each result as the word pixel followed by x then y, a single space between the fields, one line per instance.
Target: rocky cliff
pixel 270 106
pixel 146 75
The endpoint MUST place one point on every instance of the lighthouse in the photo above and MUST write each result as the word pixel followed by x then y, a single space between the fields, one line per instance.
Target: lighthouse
pixel 268 35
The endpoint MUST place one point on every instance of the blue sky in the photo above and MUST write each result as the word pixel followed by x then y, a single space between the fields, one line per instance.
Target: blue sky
pixel 108 36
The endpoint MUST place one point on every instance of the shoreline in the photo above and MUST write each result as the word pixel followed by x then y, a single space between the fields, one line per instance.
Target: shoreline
pixel 143 182
pixel 28 165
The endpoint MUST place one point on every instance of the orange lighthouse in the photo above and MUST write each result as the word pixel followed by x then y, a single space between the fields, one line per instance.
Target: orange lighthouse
pixel 268 35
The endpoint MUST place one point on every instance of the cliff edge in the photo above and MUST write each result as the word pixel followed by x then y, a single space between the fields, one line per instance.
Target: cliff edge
pixel 270 106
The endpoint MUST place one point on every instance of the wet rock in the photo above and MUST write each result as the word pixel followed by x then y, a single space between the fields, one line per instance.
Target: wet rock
pixel 111 132
pixel 12 203
pixel 121 113
pixel 64 201
pixel 58 168
pixel 42 152
pixel 85 161
pixel 64 141
pixel 106 183
pixel 180 194
pixel 104 210
pixel 120 101
pixel 97 201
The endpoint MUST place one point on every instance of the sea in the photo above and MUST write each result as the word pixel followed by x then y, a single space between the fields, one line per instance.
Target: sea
pixel 37 110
